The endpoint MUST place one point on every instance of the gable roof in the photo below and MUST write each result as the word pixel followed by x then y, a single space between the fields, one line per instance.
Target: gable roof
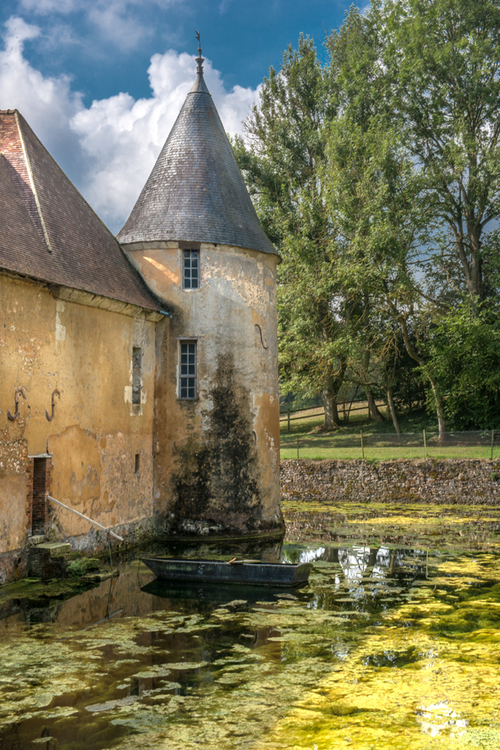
pixel 195 192
pixel 49 232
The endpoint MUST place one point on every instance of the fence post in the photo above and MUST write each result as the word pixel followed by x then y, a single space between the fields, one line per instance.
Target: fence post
pixel 297 447
pixel 492 443
pixel 362 445
pixel 288 419
pixel 425 446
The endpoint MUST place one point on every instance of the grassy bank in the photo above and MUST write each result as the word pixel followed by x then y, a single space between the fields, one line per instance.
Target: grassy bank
pixel 377 441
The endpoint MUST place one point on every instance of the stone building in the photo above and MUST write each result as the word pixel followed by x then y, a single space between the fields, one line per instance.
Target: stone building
pixel 138 377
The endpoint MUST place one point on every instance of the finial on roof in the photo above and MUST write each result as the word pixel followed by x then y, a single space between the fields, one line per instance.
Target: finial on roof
pixel 199 59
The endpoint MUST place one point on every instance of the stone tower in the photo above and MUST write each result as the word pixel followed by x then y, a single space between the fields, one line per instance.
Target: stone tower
pixel 195 238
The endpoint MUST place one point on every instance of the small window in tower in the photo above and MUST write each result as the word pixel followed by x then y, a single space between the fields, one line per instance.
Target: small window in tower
pixel 137 463
pixel 187 370
pixel 136 374
pixel 191 269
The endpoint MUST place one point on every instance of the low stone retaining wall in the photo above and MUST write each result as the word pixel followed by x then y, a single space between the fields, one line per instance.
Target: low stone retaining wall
pixel 469 481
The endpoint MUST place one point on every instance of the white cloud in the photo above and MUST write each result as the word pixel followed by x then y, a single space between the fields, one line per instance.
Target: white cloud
pixel 109 148
pixel 43 7
pixel 18 31
pixel 48 103
pixel 123 23
pixel 118 25
pixel 224 5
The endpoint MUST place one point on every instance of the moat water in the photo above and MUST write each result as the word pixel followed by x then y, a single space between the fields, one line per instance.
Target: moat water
pixel 395 643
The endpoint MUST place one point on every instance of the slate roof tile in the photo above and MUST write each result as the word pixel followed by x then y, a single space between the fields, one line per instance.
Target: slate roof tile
pixel 47 229
pixel 195 192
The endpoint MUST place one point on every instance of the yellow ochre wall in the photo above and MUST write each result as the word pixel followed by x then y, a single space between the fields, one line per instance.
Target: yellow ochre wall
pixel 86 353
pixel 202 484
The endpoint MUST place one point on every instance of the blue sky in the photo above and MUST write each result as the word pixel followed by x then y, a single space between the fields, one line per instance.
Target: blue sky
pixel 101 81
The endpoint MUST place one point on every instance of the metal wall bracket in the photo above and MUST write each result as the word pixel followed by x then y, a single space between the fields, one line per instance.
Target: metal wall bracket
pixel 264 345
pixel 54 394
pixel 19 392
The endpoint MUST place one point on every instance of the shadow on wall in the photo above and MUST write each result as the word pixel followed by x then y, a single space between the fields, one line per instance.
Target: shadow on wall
pixel 217 487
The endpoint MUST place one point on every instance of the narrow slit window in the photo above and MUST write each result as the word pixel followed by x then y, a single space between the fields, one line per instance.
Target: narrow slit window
pixel 137 463
pixel 136 374
pixel 191 270
pixel 187 371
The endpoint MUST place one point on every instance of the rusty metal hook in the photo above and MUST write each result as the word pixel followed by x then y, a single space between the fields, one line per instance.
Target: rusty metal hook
pixel 20 391
pixel 265 346
pixel 54 393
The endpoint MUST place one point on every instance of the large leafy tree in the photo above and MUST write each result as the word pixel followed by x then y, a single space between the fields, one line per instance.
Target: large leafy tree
pixel 282 162
pixel 419 184
pixel 442 68
pixel 464 358
pixel 374 194
pixel 443 71
pixel 377 176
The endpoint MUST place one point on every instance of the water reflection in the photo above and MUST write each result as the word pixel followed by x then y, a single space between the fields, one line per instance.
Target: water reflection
pixel 209 594
pixel 221 666
pixel 366 579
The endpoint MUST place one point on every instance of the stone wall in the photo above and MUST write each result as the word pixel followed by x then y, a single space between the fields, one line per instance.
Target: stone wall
pixel 216 455
pixel 469 481
pixel 68 423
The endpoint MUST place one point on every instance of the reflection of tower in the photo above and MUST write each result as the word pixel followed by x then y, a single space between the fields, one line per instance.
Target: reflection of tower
pixel 196 240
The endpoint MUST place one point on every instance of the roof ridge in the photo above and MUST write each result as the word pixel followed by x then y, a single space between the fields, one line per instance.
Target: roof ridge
pixel 10 175
pixel 12 172
pixel 86 256
pixel 30 185
pixel 32 182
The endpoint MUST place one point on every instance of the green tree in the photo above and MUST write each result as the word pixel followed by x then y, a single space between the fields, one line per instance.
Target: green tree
pixel 377 176
pixel 443 69
pixel 464 358
pixel 374 197
pixel 281 162
pixel 419 127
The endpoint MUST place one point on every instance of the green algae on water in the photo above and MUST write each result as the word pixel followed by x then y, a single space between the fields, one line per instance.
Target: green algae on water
pixel 388 647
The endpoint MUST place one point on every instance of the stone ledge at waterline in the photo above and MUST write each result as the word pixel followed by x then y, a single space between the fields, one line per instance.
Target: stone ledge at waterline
pixel 466 481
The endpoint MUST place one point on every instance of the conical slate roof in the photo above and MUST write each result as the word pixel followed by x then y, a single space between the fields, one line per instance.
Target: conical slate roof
pixel 195 192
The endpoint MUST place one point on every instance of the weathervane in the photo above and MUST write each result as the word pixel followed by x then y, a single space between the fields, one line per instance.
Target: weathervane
pixel 199 59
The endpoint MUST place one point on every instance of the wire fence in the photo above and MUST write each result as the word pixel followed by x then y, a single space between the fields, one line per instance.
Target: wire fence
pixel 289 415
pixel 425 441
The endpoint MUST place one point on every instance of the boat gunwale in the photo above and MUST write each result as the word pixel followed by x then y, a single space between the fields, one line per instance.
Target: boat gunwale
pixel 295 573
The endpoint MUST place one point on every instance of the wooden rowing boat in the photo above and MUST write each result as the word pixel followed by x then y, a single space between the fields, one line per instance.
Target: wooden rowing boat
pixel 248 572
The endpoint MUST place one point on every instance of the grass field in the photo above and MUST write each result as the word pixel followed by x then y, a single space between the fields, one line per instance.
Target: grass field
pixel 380 442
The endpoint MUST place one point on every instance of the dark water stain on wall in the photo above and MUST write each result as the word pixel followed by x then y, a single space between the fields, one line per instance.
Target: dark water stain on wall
pixel 217 486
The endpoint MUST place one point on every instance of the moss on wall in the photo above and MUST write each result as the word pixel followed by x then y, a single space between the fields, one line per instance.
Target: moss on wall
pixel 217 485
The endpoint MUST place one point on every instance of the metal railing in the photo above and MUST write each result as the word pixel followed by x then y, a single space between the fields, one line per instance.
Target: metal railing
pixel 86 518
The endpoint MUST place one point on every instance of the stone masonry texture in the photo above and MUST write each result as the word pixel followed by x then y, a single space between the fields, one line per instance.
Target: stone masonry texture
pixel 460 481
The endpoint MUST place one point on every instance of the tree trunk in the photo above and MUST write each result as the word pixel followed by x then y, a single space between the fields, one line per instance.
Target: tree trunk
pixel 372 559
pixel 377 416
pixel 437 398
pixel 390 401
pixel 348 412
pixel 439 410
pixel 329 399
